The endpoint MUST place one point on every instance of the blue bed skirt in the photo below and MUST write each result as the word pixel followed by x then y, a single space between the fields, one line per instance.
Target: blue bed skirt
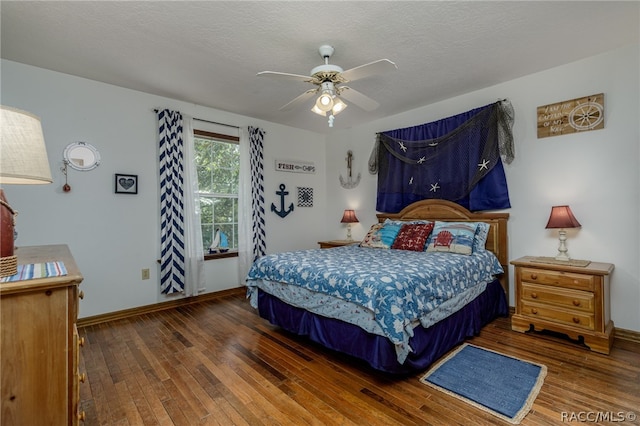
pixel 429 344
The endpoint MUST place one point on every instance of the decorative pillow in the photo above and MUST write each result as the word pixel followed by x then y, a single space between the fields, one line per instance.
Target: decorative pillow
pixel 480 238
pixel 413 236
pixel 381 235
pixel 389 232
pixel 453 237
pixel 372 239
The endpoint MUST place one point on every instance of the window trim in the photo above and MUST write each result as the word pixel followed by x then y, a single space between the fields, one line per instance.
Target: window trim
pixel 213 256
pixel 214 135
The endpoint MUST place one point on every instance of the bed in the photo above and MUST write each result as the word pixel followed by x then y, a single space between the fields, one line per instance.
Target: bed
pixel 395 301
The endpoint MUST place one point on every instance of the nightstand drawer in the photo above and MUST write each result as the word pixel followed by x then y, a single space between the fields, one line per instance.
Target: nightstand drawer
pixel 573 318
pixel 336 243
pixel 557 278
pixel 557 296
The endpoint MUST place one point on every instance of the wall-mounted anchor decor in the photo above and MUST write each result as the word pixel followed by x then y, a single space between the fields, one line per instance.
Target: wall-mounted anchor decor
pixel 282 212
pixel 349 183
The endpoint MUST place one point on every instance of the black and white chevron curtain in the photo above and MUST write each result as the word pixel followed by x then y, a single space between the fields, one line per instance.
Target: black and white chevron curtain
pixel 256 143
pixel 177 252
pixel 251 221
pixel 172 260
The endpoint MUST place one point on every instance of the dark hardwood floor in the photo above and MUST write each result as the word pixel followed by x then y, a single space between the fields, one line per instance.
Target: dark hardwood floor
pixel 219 363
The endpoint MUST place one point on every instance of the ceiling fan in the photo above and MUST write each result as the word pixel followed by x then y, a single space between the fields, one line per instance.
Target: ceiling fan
pixel 330 80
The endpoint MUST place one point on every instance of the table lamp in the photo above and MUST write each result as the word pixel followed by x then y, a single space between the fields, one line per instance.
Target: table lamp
pixel 23 160
pixel 349 217
pixel 561 218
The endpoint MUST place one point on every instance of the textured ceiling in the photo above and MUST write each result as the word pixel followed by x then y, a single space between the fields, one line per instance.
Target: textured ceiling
pixel 208 53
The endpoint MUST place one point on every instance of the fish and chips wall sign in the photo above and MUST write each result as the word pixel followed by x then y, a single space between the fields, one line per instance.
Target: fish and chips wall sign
pixel 295 166
pixel 576 115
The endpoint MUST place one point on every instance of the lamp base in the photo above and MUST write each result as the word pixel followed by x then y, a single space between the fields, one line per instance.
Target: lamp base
pixel 8 262
pixel 8 266
pixel 563 254
pixel 349 237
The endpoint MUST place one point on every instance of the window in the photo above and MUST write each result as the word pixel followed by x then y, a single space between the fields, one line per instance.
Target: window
pixel 218 166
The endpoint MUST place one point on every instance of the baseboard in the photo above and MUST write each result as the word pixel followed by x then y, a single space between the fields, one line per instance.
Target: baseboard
pixel 170 304
pixel 629 335
pixel 619 333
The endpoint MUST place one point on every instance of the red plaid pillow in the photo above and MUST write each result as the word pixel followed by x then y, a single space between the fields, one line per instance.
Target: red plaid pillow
pixel 413 236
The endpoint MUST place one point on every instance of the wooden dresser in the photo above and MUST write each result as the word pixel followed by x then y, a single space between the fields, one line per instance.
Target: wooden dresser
pixel 566 299
pixel 39 346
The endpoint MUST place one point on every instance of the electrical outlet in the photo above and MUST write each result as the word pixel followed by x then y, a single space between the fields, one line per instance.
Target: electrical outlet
pixel 145 274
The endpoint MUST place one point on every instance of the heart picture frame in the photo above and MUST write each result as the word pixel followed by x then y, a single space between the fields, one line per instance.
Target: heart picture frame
pixel 126 184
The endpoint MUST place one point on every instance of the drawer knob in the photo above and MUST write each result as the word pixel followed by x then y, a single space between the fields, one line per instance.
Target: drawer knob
pixel 534 311
pixel 82 416
pixel 81 341
pixel 534 276
pixel 576 320
pixel 534 295
pixel 81 294
pixel 82 377
pixel 576 303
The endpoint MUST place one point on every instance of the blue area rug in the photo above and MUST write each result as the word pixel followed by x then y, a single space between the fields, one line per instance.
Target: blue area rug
pixel 499 384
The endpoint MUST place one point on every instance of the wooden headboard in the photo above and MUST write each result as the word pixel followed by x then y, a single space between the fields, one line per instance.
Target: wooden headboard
pixel 497 241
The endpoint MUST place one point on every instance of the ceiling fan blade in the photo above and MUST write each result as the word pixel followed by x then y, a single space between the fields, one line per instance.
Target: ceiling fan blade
pixel 376 67
pixel 364 102
pixel 284 75
pixel 300 99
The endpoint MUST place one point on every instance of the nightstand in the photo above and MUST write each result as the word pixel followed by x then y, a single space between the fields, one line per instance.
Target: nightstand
pixel 566 299
pixel 336 243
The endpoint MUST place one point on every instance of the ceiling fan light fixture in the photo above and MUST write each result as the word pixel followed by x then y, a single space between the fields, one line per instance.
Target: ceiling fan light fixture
pixel 328 79
pixel 325 101
pixel 338 106
pixel 318 111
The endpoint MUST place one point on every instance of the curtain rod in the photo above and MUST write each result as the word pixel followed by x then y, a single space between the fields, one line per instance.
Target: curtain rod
pixel 215 122
pixel 208 121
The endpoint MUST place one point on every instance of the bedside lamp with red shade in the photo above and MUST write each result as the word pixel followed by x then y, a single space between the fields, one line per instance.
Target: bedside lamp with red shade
pixel 349 217
pixel 562 218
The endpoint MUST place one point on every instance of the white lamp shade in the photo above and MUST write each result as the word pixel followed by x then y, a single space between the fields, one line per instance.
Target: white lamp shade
pixel 338 106
pixel 318 111
pixel 23 155
pixel 324 102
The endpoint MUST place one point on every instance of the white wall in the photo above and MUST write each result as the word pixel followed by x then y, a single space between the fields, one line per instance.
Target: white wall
pixel 595 172
pixel 114 236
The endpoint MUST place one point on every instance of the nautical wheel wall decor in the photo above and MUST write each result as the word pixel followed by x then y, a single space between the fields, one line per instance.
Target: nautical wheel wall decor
pixel 576 115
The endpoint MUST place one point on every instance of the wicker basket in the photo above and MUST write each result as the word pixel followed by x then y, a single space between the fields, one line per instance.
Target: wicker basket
pixel 8 266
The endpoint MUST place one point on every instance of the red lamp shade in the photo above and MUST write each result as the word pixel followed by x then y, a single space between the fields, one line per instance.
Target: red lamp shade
pixel 349 216
pixel 562 217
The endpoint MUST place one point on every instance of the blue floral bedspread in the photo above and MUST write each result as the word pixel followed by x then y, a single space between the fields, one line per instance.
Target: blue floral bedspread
pixel 397 286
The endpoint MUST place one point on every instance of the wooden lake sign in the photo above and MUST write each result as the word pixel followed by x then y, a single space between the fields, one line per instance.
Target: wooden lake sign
pixel 576 115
